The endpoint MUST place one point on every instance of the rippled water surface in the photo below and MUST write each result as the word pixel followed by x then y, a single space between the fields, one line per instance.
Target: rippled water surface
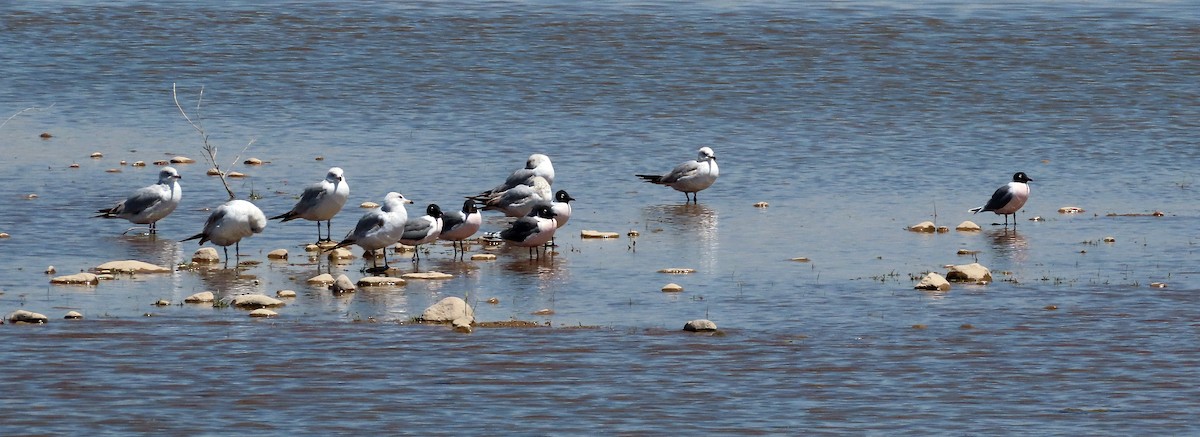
pixel 853 120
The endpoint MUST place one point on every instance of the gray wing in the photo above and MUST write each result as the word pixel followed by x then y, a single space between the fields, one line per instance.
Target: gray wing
pixel 416 229
pixel 210 225
pixel 310 198
pixel 142 200
pixel 452 219
pixel 520 229
pixel 366 224
pixel 1000 198
pixel 681 171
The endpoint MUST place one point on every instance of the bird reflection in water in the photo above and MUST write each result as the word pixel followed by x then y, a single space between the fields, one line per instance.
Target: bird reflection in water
pixel 1008 243
pixel 688 228
pixel 229 281
pixel 149 248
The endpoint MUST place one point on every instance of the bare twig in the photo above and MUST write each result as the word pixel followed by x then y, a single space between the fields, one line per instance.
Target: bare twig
pixel 31 108
pixel 210 150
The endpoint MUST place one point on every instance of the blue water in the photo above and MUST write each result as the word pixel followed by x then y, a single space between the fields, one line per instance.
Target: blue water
pixel 853 120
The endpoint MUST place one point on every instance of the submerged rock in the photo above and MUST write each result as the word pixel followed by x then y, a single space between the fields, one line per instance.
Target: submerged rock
pixel 381 281
pixel 587 233
pixel 448 310
pixel 427 275
pixel 483 257
pixel 933 282
pixel 462 325
pixel 973 272
pixel 677 271
pixel 278 254
pixel 76 279
pixel 700 325
pixel 254 301
pixel 925 226
pixel 73 315
pixel 23 316
pixel 1070 210
pixel 263 312
pixel 131 266
pixel 340 253
pixel 201 297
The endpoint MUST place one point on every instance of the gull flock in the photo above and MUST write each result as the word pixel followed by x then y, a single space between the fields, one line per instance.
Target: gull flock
pixel 525 195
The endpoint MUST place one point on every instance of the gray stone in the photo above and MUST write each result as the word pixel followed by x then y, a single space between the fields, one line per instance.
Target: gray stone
pixel 76 279
pixel 933 282
pixel 968 226
pixel 263 312
pixel 23 316
pixel 343 284
pixel 700 325
pixel 201 297
pixel 206 255
pixel 255 301
pixel 131 266
pixel 973 272
pixel 448 310
pixel 923 227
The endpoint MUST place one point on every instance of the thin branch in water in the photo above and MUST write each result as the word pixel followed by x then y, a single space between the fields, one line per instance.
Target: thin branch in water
pixel 31 108
pixel 209 149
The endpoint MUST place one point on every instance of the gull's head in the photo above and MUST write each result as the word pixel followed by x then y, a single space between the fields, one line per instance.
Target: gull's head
pixel 706 154
pixel 433 211
pixel 396 196
pixel 167 174
pixel 469 207
pixel 1021 177
pixel 535 160
pixel 562 197
pixel 335 175
pixel 543 211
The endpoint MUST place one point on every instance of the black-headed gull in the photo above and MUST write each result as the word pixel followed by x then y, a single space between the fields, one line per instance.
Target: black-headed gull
pixel 148 205
pixel 320 202
pixel 461 225
pixel 423 229
pixel 690 176
pixel 1009 198
pixel 533 230
pixel 379 228
pixel 230 223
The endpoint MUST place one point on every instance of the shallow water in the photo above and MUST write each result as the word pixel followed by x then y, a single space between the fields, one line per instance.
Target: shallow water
pixel 853 120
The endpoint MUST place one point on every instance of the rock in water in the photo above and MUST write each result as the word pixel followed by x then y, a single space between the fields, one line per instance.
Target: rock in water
pixel 255 301
pixel 700 325
pixel 131 266
pixel 206 255
pixel 923 227
pixel 343 284
pixel 448 310
pixel 76 279
pixel 973 272
pixel 968 226
pixel 201 297
pixel 23 316
pixel 933 282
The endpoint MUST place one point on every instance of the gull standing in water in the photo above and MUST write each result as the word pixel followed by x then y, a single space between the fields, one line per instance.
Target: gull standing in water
pixel 148 205
pixel 690 176
pixel 230 223
pixel 562 210
pixel 1009 198
pixel 537 165
pixel 533 230
pixel 320 202
pixel 379 228
pixel 461 225
pixel 423 229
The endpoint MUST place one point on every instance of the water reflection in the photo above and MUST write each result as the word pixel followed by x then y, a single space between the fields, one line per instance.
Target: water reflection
pixel 149 248
pixel 230 281
pixel 1008 243
pixel 693 226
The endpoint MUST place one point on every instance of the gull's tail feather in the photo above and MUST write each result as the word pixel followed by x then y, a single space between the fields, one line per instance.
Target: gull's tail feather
pixel 287 216
pixel 203 238
pixel 651 178
pixel 975 210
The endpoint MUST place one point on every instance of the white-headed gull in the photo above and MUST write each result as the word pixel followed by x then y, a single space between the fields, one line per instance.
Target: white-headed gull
pixel 1009 198
pixel 533 230
pixel 148 205
pixel 379 228
pixel 320 202
pixel 461 225
pixel 230 223
pixel 690 176
pixel 537 165
pixel 423 229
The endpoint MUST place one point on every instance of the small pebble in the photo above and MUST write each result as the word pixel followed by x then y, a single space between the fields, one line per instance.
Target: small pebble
pixel 45 135
pixel 123 162
pixel 320 158
pixel 761 205
pixel 633 233
pixel 182 160
pixel 368 205
pixel 801 259
pixel 493 301
pixel 587 233
pixel 1110 240
pixel 677 271
pixel 234 174
pixel 206 255
pixel 161 162
pixel 73 166
pixel 96 155
pixel 1070 210
pixel 926 226
pixel 4 235
pixel 278 254
pixel 113 170
pixel 50 270
pixel 427 275
pixel 312 248
pixel 285 293
pixel 1158 284
pixel 672 288
pixel 162 303
pixel 483 257
pixel 323 278
pixel 31 196
pixel 340 254
pixel 201 297
pixel 139 163
pixel 920 326
pixel 211 172
pixel 699 325
pixel 1050 307
pixel 543 312
pixel 263 312
pixel 253 161
pixel 73 315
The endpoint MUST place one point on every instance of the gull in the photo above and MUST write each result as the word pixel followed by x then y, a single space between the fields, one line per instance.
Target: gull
pixel 518 201
pixel 423 229
pixel 320 202
pixel 1009 198
pixel 229 224
pixel 562 209
pixel 149 204
pixel 690 176
pixel 379 228
pixel 537 165
pixel 461 225
pixel 533 230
